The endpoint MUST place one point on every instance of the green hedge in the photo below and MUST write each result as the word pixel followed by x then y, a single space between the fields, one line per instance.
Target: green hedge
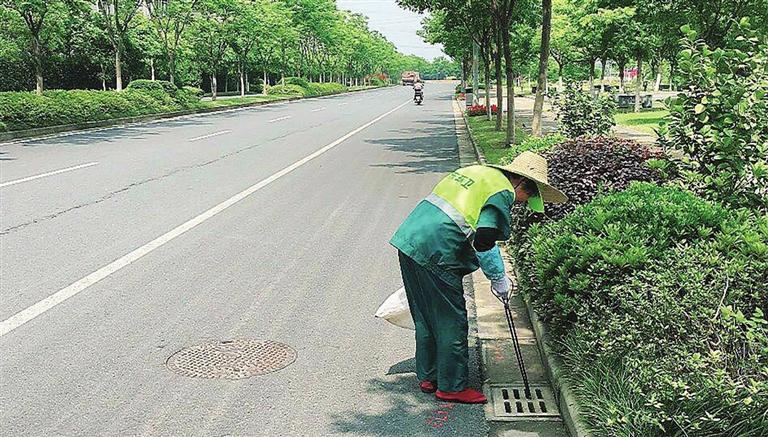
pixel 26 110
pixel 287 90
pixel 153 85
pixel 324 89
pixel 197 92
pixel 311 89
pixel 656 301
pixel 300 81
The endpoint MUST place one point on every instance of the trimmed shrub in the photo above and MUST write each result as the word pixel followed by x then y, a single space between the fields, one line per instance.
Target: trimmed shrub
pixel 3 127
pixel 377 81
pixel 580 114
pixel 656 301
pixel 153 85
pixel 720 120
pixel 198 92
pixel 324 89
pixel 532 144
pixel 300 81
pixel 189 97
pixel 26 110
pixel 287 90
pixel 582 168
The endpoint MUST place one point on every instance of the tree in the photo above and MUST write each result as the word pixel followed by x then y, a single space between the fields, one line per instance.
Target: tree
pixel 34 13
pixel 211 36
pixel 546 28
pixel 170 19
pixel 243 31
pixel 274 33
pixel 117 18
pixel 563 47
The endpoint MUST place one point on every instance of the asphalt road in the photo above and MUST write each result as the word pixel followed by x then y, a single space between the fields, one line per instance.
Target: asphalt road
pixel 299 257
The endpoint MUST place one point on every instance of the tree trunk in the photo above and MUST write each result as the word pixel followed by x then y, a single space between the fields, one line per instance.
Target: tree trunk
pixel 639 81
pixel 265 83
pixel 510 85
pixel 103 78
pixel 672 84
pixel 152 67
pixel 247 83
pixel 499 84
pixel 242 82
pixel 172 67
pixel 592 77
pixel 602 74
pixel 118 70
pixel 214 87
pixel 38 61
pixel 475 79
pixel 538 104
pixel 621 77
pixel 487 72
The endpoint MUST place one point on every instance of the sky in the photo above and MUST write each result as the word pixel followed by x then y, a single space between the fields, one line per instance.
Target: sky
pixel 395 23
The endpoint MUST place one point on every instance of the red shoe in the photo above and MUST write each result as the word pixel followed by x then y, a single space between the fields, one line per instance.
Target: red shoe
pixel 428 386
pixel 466 396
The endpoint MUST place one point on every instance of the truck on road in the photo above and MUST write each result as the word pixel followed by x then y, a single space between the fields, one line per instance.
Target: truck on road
pixel 410 77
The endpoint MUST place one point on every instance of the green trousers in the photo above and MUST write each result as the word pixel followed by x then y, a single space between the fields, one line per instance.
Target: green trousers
pixel 440 315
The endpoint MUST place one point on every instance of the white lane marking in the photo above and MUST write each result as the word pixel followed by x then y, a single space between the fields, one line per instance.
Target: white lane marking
pixel 319 109
pixel 51 173
pixel 342 104
pixel 280 118
pixel 60 296
pixel 210 135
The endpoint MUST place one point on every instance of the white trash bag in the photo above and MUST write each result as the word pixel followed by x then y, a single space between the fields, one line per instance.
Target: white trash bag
pixel 395 310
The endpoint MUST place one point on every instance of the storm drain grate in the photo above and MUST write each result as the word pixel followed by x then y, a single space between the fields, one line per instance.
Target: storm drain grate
pixel 512 402
pixel 231 359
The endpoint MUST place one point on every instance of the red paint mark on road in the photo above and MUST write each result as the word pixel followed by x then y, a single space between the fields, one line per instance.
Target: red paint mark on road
pixel 440 416
pixel 498 355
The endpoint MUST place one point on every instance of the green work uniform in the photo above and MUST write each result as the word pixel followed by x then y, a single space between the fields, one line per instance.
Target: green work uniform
pixel 435 254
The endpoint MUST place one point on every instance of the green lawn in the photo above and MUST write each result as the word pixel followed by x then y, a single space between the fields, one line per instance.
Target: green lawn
pixel 491 141
pixel 241 100
pixel 645 121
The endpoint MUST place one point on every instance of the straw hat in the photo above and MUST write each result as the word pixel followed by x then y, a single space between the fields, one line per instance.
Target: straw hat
pixel 534 167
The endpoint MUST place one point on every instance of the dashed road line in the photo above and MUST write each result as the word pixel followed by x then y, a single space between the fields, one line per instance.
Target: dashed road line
pixel 62 295
pixel 210 135
pixel 51 173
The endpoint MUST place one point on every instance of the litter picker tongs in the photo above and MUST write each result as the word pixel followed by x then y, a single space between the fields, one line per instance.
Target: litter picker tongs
pixel 516 342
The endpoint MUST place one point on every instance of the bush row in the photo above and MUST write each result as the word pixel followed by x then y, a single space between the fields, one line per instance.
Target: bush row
pixel 25 110
pixel 656 300
pixel 304 88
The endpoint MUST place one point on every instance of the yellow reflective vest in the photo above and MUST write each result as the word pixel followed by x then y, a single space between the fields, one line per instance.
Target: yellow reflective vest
pixel 462 194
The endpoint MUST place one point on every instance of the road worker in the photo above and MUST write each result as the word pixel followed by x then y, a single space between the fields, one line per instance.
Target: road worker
pixel 450 234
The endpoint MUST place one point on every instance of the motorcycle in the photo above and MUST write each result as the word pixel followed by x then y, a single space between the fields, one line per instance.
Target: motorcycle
pixel 419 97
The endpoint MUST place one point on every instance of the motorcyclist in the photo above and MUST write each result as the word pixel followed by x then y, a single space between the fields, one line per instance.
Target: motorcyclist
pixel 418 89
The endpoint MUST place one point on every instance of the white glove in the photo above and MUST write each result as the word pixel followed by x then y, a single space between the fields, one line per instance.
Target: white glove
pixel 500 287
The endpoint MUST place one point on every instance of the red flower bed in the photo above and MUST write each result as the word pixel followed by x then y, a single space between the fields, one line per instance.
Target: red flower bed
pixel 481 110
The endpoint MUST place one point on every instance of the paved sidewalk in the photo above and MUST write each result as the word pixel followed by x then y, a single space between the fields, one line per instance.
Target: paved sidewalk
pixel 501 369
pixel 641 137
pixel 490 333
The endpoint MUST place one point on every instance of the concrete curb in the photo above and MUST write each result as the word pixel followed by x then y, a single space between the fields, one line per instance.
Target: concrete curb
pixel 479 153
pixel 569 407
pixel 63 128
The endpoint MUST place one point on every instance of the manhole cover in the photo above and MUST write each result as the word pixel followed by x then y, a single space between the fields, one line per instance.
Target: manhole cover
pixel 231 359
pixel 511 403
